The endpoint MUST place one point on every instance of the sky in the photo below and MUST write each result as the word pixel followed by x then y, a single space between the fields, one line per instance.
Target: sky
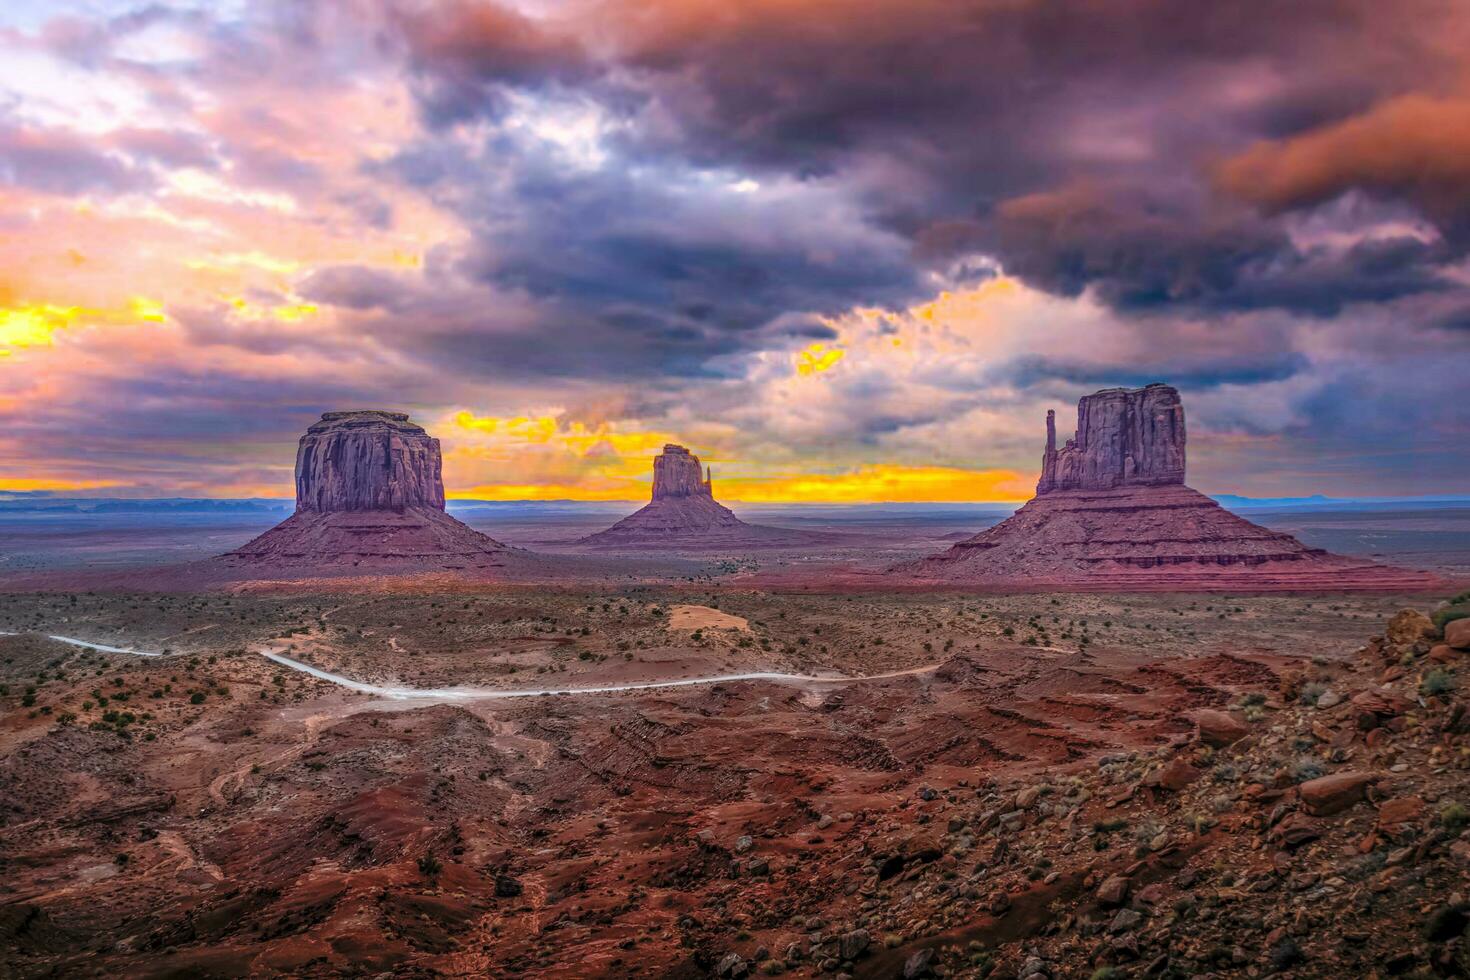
pixel 845 250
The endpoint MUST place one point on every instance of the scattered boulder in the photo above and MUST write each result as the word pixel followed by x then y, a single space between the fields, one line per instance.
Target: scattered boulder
pixel 1407 627
pixel 1327 795
pixel 1113 891
pixel 1175 776
pixel 855 944
pixel 919 965
pixel 1397 813
pixel 1457 634
pixel 1218 729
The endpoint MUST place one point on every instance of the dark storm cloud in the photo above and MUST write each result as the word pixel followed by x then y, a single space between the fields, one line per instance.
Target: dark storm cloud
pixel 942 117
pixel 1138 252
pixel 466 54
pixel 1229 370
pixel 572 269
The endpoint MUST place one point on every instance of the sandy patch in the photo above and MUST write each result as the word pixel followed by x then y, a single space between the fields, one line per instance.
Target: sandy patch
pixel 704 618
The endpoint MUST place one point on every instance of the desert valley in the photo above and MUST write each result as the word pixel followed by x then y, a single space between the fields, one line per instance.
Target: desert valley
pixel 1138 736
pixel 693 490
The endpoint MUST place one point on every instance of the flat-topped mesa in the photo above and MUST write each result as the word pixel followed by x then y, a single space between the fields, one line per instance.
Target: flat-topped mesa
pixel 368 460
pixel 369 493
pixel 1112 513
pixel 1125 438
pixel 676 473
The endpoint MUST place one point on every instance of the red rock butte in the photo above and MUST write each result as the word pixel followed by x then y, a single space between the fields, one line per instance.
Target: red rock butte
pixel 369 492
pixel 683 513
pixel 1112 513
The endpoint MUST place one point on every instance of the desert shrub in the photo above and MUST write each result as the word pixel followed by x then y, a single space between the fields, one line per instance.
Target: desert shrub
pixel 1312 691
pixel 429 866
pixel 1454 818
pixel 1437 682
pixel 1459 610
pixel 1305 769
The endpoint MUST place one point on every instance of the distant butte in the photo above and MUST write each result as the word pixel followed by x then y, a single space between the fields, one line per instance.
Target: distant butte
pixel 369 492
pixel 1111 512
pixel 683 513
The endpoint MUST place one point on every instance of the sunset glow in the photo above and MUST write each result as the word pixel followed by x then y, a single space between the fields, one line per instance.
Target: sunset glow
pixel 566 234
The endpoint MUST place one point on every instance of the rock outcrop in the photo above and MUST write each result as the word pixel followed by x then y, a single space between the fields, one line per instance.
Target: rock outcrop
pixel 676 474
pixel 1124 439
pixel 368 461
pixel 369 492
pixel 1111 512
pixel 684 515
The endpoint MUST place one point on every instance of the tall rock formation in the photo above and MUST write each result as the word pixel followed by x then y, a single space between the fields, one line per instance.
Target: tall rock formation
pixel 1111 512
pixel 1124 439
pixel 368 461
pixel 369 492
pixel 684 515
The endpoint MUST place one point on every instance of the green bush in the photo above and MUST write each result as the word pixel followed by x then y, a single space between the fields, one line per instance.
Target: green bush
pixel 1460 610
pixel 1454 818
pixel 1437 682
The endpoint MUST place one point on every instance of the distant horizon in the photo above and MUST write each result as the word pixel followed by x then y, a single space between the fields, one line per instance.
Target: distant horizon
pixel 12 496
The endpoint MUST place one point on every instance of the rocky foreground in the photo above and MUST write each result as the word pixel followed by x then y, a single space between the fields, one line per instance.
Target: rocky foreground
pixel 1017 812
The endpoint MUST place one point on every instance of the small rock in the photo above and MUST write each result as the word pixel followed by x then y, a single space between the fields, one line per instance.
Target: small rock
pixel 1218 729
pixel 1286 954
pixel 1407 627
pixel 1113 891
pixel 1125 921
pixel 854 944
pixel 1326 795
pixel 1394 814
pixel 731 965
pixel 918 965
pixel 1457 634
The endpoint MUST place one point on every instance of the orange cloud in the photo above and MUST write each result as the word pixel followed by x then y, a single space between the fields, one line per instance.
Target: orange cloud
pixel 817 359
pixel 881 483
pixel 1416 145
pixel 26 484
pixel 36 324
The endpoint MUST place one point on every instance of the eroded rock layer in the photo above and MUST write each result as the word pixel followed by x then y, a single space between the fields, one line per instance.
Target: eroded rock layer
pixel 1125 438
pixel 1112 513
pixel 369 492
pixel 367 460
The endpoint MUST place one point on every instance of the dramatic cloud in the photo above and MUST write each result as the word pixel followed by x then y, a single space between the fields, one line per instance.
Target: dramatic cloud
pixel 859 245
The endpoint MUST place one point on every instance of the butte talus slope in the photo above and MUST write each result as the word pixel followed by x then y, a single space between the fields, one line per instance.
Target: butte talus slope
pixel 1111 511
pixel 369 492
pixel 683 513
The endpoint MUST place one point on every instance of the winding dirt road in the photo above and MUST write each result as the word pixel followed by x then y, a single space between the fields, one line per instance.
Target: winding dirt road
pixel 490 693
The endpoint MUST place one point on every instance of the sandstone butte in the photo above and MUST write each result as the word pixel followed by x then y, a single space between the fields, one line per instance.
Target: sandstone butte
pixel 370 493
pixel 1112 512
pixel 683 513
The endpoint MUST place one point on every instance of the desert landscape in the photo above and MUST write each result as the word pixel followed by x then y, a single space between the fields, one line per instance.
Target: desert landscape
pixel 691 490
pixel 373 741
